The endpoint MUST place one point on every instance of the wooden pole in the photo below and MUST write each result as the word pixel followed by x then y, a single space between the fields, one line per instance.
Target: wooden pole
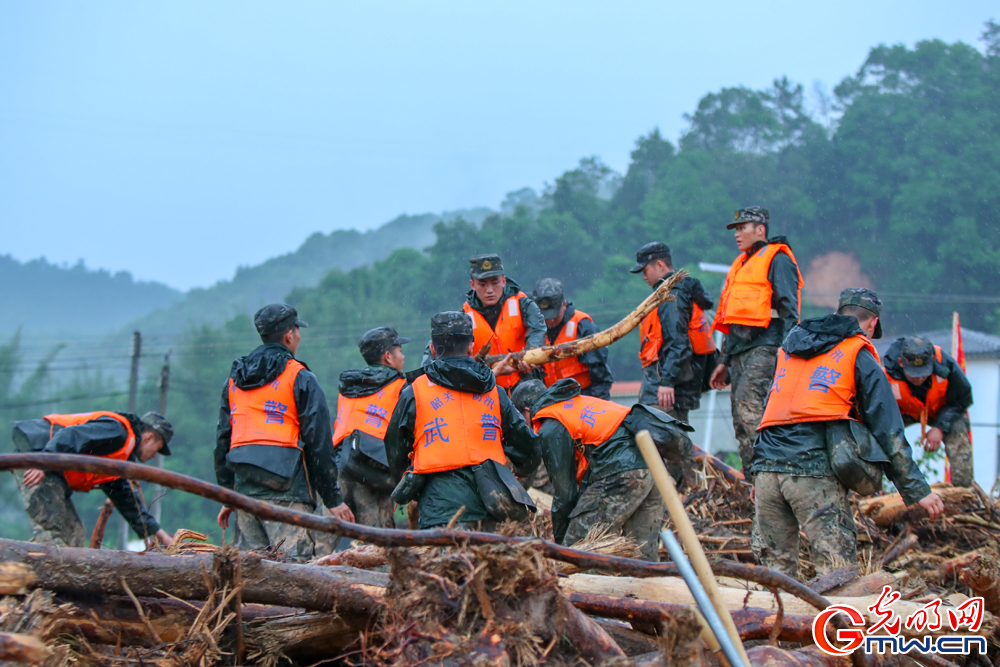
pixel 156 491
pixel 133 399
pixel 688 536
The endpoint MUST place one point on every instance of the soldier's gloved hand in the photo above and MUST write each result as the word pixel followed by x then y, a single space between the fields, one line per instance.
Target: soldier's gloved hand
pixel 343 512
pixel 720 377
pixel 933 439
pixel 933 504
pixel 33 477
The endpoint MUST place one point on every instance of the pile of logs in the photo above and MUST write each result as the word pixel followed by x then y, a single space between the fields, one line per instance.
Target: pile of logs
pixel 446 597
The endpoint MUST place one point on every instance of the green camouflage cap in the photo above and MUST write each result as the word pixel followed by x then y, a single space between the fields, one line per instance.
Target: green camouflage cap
pixel 649 252
pixel 485 266
pixel 375 342
pixel 548 295
pixel 451 323
pixel 863 298
pixel 526 393
pixel 159 424
pixel 756 214
pixel 275 318
pixel 917 357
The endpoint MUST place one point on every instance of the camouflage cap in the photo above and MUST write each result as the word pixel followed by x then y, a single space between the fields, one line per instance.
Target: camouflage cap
pixel 485 266
pixel 648 253
pixel 526 393
pixel 451 323
pixel 548 295
pixel 375 342
pixel 863 298
pixel 917 357
pixel 756 214
pixel 159 424
pixel 275 318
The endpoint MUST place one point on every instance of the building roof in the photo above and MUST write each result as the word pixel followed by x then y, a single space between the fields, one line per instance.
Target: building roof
pixel 978 344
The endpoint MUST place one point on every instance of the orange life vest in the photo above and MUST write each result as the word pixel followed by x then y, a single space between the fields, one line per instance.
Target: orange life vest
pixel 455 429
pixel 570 367
pixel 266 415
pixel 652 338
pixel 910 404
pixel 815 390
pixel 746 296
pixel 85 481
pixel 510 333
pixel 700 331
pixel 369 414
pixel 590 421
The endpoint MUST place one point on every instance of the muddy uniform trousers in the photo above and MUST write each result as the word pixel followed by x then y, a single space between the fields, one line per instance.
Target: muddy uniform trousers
pixel 818 505
pixel 256 534
pixel 751 373
pixel 370 507
pixel 53 517
pixel 958 447
pixel 626 501
pixel 683 403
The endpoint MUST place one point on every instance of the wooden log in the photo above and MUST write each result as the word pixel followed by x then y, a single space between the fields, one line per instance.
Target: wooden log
pixel 982 576
pixel 99 572
pixel 590 639
pixel 835 579
pixel 949 570
pixel 23 649
pixel 97 535
pixel 730 473
pixel 889 509
pixel 870 584
pixel 900 548
pixel 15 578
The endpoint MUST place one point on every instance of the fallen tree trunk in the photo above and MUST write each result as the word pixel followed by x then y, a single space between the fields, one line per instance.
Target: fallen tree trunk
pixel 23 648
pixel 730 473
pixel 983 578
pixel 100 572
pixel 889 509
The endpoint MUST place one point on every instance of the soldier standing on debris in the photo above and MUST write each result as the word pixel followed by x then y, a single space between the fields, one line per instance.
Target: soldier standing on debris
pixel 565 324
pixel 828 387
pixel 758 307
pixel 597 471
pixel 274 440
pixel 120 436
pixel 502 315
pixel 367 399
pixel 941 403
pixel 455 429
pixel 676 339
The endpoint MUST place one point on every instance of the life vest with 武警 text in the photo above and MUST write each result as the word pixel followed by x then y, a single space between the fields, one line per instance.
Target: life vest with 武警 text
pixel 266 415
pixel 369 414
pixel 589 421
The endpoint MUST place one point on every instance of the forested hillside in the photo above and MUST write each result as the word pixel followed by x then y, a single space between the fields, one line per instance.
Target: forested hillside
pixel 893 183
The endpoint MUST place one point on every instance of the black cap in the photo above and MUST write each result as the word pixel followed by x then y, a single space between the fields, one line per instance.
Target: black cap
pixel 275 318
pixel 548 295
pixel 159 424
pixel 451 323
pixel 648 253
pixel 526 393
pixel 864 298
pixel 917 357
pixel 485 266
pixel 375 342
pixel 757 214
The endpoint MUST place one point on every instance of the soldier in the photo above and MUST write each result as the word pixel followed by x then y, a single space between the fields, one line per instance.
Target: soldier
pixel 274 440
pixel 119 436
pixel 758 307
pixel 367 399
pixel 676 339
pixel 565 324
pixel 455 429
pixel 942 403
pixel 597 471
pixel 502 315
pixel 828 384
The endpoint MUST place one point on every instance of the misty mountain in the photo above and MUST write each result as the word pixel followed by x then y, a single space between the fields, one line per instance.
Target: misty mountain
pixel 271 281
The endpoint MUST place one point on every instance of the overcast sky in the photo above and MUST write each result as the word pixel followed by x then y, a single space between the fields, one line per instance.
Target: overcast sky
pixel 180 140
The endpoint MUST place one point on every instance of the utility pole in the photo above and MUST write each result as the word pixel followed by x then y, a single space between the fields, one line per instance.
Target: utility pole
pixel 133 396
pixel 156 491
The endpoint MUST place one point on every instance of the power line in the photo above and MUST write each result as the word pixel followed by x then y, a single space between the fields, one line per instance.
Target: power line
pixel 78 397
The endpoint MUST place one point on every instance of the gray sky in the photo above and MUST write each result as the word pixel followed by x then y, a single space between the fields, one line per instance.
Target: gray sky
pixel 181 140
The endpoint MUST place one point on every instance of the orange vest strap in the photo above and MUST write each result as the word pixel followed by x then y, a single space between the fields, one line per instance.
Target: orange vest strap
pixel 652 338
pixel 85 481
pixel 369 414
pixel 455 429
pixel 818 389
pixel 746 296
pixel 700 331
pixel 266 415
pixel 511 333
pixel 570 367
pixel 912 406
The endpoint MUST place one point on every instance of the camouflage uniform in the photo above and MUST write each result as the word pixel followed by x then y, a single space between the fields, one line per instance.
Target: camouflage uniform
pixel 370 506
pixel 626 501
pixel 53 517
pixel 751 374
pixel 256 534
